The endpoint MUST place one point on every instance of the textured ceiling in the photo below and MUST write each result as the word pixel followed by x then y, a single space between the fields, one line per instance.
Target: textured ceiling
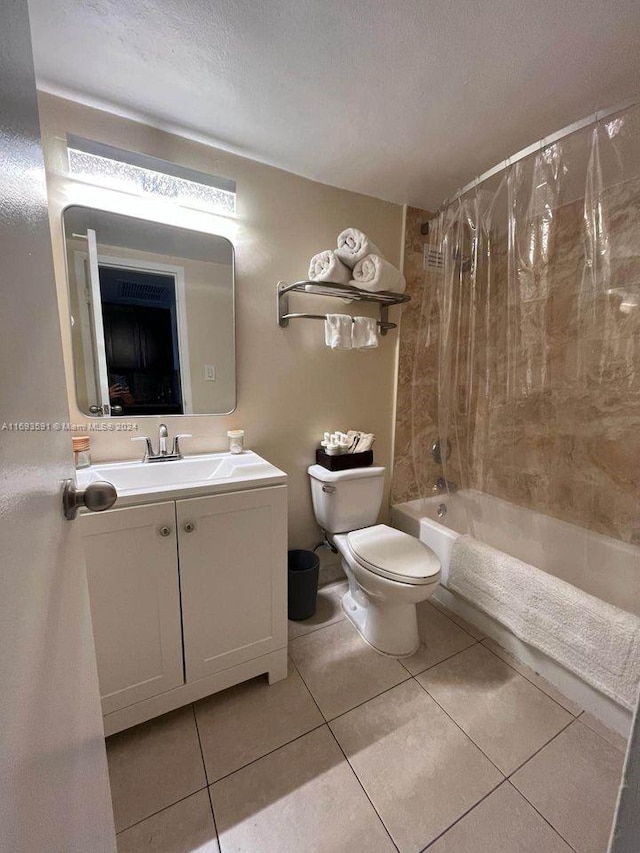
pixel 406 100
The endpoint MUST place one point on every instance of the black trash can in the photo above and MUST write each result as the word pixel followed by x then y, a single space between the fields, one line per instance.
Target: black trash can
pixel 304 568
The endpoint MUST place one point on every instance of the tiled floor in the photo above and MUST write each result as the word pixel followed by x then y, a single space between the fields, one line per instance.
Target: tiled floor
pixel 458 749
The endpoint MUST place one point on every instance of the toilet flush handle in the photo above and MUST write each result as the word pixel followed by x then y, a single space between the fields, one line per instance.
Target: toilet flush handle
pixel 329 490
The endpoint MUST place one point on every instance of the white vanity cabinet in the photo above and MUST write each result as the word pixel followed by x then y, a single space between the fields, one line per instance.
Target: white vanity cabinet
pixel 188 596
pixel 132 573
pixel 232 553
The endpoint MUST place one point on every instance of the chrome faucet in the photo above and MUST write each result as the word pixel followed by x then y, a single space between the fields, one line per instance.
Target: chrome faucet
pixel 443 485
pixel 163 435
pixel 163 455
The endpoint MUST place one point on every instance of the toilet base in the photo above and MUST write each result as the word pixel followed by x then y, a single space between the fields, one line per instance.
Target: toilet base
pixel 391 629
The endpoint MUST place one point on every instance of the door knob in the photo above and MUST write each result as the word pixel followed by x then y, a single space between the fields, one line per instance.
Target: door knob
pixel 97 497
pixel 189 527
pixel 165 530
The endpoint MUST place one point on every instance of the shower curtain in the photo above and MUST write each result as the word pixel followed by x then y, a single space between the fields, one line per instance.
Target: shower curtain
pixel 531 300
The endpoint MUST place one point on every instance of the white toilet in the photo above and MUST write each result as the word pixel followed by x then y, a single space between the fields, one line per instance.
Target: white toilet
pixel 389 571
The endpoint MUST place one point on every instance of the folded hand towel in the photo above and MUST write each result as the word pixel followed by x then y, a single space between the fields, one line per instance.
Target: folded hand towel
pixel 364 334
pixel 337 331
pixel 374 273
pixel 327 266
pixel 353 245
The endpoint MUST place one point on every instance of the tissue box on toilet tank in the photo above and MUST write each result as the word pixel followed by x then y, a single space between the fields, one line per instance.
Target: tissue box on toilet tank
pixel 344 461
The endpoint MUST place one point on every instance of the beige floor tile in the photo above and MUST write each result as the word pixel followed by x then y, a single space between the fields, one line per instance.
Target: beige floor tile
pixel 303 797
pixel 475 632
pixel 245 722
pixel 328 611
pixel 185 827
pixel 574 783
pixel 533 677
pixel 419 770
pixel 502 712
pixel 503 823
pixel 153 765
pixel 614 738
pixel 341 670
pixel 440 638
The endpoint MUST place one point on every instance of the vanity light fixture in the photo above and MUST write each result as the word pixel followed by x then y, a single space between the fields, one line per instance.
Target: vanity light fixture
pixel 141 174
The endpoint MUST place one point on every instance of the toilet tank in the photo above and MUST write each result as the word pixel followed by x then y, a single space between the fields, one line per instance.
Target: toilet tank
pixel 346 500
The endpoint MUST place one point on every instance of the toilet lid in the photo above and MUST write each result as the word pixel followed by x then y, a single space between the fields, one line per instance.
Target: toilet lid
pixel 394 554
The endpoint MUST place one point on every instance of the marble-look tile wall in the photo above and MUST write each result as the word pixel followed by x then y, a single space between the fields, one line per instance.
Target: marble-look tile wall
pixel 545 402
pixel 417 396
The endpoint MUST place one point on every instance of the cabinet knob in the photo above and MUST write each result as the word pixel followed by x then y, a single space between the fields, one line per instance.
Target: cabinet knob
pixel 165 530
pixel 189 527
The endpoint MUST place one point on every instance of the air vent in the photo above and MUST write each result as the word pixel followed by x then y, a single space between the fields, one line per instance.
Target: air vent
pixel 134 290
pixel 434 260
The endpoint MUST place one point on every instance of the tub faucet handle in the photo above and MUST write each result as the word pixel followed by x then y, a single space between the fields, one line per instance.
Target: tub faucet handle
pixel 444 485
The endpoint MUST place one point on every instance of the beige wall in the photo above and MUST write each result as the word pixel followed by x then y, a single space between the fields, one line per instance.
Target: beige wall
pixel 290 387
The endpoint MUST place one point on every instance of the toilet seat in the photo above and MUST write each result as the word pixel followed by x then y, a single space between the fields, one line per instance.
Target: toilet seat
pixel 394 555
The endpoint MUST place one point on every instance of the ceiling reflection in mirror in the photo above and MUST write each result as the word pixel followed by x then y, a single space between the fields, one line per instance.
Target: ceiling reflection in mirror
pixel 152 316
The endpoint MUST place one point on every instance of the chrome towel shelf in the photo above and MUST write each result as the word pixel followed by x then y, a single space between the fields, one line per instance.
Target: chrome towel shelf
pixel 345 291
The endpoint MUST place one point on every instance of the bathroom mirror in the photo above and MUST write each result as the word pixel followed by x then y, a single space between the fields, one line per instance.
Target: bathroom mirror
pixel 152 316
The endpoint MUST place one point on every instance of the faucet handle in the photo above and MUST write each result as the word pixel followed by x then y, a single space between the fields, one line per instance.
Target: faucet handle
pixel 176 442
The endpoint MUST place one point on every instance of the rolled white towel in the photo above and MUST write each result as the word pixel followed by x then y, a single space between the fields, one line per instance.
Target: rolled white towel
pixel 337 331
pixel 353 245
pixel 365 333
pixel 374 273
pixel 327 266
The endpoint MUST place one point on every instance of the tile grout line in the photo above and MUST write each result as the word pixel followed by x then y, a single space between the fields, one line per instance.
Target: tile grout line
pixel 364 702
pixel 204 763
pixel 601 736
pixel 448 657
pixel 215 823
pixel 314 629
pixel 533 684
pixel 326 723
pixel 159 811
pixel 466 734
pixel 375 696
pixel 520 766
pixel 538 812
pixel 206 776
pixel 544 745
pixel 297 669
pixel 464 814
pixel 364 790
pixel 524 796
pixel 454 619
pixel 211 783
pixel 270 752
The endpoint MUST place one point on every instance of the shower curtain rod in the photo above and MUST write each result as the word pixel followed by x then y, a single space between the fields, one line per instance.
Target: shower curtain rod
pixel 541 143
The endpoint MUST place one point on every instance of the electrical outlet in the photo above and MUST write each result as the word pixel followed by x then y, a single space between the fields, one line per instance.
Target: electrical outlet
pixel 210 372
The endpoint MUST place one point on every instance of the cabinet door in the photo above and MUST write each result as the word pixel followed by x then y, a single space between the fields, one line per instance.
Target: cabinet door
pixel 233 577
pixel 132 571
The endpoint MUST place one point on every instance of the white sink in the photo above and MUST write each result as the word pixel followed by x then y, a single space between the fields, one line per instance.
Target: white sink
pixel 194 475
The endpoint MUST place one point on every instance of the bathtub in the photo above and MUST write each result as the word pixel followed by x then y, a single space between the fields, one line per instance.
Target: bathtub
pixel 598 565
